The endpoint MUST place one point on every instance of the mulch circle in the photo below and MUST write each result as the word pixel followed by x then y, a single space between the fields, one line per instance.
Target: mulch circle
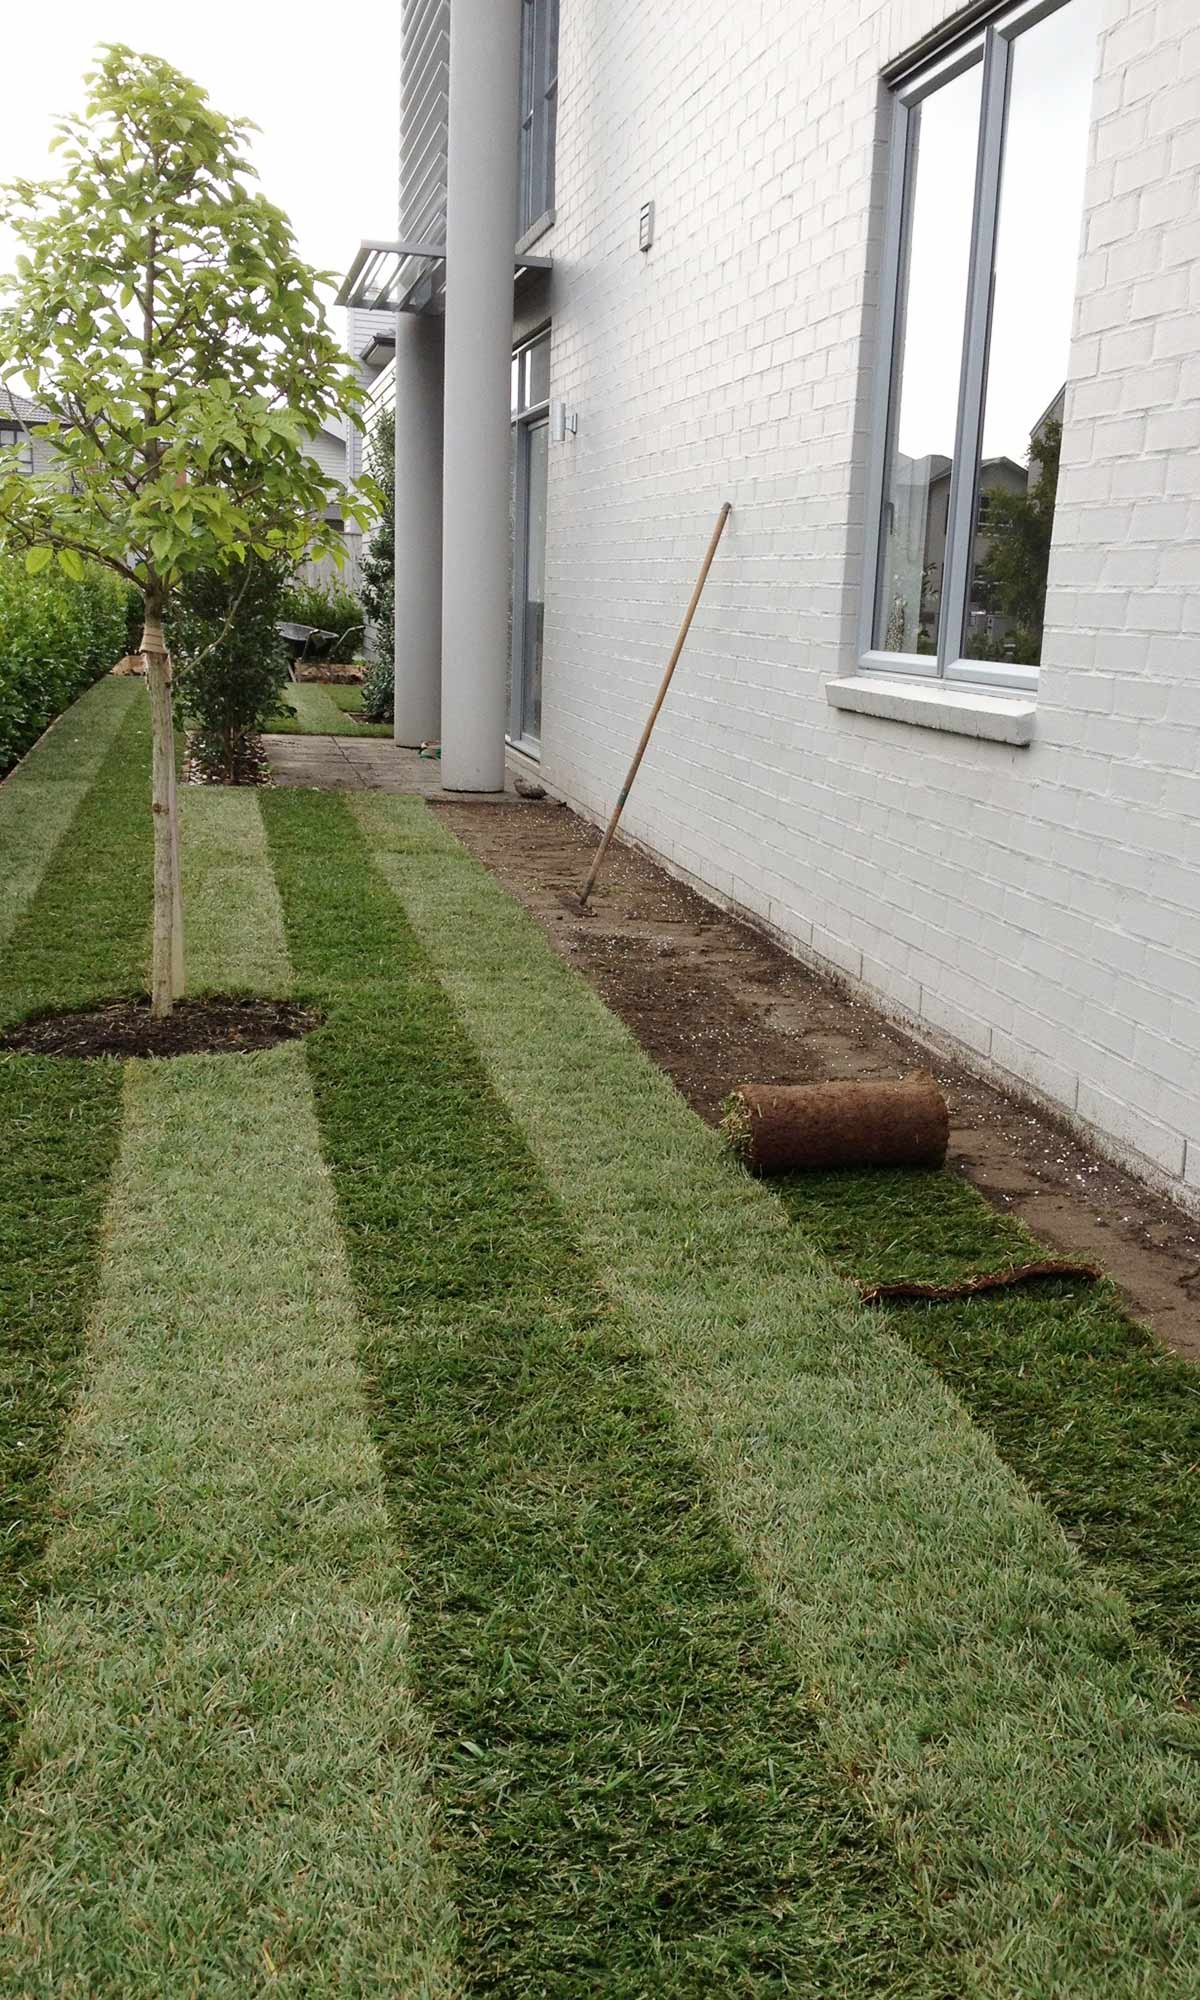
pixel 192 1028
pixel 203 765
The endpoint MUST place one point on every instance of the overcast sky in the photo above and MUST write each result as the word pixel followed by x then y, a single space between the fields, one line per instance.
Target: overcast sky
pixel 323 84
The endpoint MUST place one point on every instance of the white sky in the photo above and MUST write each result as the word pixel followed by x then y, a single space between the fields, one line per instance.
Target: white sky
pixel 323 83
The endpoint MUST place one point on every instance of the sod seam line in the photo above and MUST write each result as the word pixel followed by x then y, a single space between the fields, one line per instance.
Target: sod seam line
pixel 1083 1402
pixel 629 1777
pixel 224 1776
pixel 60 1122
pixel 981 1682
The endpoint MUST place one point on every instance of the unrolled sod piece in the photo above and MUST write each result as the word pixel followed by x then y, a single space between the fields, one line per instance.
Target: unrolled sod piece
pixel 780 1128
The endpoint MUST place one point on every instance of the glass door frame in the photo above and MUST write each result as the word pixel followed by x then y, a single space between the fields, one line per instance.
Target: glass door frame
pixel 526 419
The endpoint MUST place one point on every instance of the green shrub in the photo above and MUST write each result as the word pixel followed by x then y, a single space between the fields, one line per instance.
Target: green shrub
pixel 379 576
pixel 230 664
pixel 56 638
pixel 333 610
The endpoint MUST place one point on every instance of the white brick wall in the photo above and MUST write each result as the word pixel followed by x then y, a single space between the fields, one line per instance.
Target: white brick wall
pixel 1041 905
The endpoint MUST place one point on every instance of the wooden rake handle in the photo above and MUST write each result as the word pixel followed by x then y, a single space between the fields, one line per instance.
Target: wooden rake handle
pixel 672 663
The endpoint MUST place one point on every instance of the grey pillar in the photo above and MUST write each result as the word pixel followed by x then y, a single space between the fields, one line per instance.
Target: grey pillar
pixel 419 393
pixel 485 40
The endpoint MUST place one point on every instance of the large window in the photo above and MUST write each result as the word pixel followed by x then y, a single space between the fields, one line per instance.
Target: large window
pixel 984 214
pixel 539 106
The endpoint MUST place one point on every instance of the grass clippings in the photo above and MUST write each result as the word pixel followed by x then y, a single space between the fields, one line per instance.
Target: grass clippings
pixel 1032 1760
pixel 629 1776
pixel 1081 1401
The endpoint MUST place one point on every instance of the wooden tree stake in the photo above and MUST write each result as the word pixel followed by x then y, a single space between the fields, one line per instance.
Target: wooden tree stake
pixel 672 663
pixel 166 963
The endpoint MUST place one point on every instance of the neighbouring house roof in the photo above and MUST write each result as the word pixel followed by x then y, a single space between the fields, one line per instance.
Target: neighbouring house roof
pixel 20 407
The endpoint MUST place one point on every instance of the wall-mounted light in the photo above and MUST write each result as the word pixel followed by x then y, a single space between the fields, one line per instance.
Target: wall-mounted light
pixel 646 226
pixel 563 423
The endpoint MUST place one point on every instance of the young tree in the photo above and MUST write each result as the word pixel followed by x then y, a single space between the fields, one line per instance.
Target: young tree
pixel 163 316
pixel 1012 570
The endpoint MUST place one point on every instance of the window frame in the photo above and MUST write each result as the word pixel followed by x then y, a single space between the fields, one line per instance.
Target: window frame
pixel 991 44
pixel 538 113
pixel 525 414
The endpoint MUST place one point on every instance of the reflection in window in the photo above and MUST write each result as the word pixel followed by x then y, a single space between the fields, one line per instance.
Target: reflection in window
pixel 1037 248
pixel 942 137
pixel 976 381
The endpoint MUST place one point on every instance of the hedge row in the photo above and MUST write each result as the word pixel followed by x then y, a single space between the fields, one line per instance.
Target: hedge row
pixel 56 638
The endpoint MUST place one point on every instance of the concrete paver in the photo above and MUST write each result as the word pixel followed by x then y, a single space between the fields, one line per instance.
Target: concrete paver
pixel 359 764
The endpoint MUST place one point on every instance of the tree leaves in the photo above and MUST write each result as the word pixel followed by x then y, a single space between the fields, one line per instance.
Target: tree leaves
pixel 161 311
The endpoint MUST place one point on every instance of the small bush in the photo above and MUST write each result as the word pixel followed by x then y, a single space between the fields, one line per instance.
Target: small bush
pixel 56 638
pixel 333 610
pixel 230 663
pixel 379 576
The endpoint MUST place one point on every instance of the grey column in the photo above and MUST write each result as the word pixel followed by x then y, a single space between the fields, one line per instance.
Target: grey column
pixel 418 620
pixel 485 40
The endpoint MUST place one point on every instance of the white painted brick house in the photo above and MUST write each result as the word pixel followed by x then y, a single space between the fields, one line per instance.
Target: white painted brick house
pixel 885 233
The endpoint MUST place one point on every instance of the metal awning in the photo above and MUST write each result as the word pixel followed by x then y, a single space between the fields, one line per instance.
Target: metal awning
pixel 408 277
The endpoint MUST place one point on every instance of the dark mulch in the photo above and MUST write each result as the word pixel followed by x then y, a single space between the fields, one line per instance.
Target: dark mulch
pixel 204 761
pixel 194 1027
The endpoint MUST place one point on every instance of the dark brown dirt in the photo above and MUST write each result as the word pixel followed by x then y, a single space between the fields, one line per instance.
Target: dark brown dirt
pixel 193 1027
pixel 716 1003
pixel 204 761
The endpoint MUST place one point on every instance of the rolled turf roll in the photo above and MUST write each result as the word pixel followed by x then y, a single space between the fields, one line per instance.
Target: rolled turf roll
pixel 781 1128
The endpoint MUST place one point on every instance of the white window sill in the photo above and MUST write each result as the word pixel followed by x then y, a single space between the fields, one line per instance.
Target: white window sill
pixel 535 233
pixel 993 718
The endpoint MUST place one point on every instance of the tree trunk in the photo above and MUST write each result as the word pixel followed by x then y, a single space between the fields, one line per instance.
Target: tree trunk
pixel 166 971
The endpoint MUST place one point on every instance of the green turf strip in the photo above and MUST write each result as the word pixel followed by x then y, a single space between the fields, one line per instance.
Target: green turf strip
pixel 1032 1759
pixel 40 798
pixel 83 932
pixel 222 1778
pixel 1082 1401
pixel 313 709
pixel 84 935
pixel 232 920
pixel 628 1774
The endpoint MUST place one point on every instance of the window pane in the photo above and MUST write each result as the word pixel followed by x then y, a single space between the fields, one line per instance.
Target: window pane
pixel 1037 255
pixel 535 581
pixel 931 308
pixel 539 371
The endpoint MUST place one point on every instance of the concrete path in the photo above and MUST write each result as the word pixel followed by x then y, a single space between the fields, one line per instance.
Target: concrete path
pixel 358 764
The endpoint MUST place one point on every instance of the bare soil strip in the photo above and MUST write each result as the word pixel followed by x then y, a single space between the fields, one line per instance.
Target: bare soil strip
pixel 717 1004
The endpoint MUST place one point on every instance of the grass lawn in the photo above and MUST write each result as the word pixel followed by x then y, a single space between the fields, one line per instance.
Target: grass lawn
pixel 315 709
pixel 464 1536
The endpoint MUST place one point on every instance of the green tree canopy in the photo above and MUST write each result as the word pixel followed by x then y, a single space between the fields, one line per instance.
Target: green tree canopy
pixel 1012 571
pixel 161 313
